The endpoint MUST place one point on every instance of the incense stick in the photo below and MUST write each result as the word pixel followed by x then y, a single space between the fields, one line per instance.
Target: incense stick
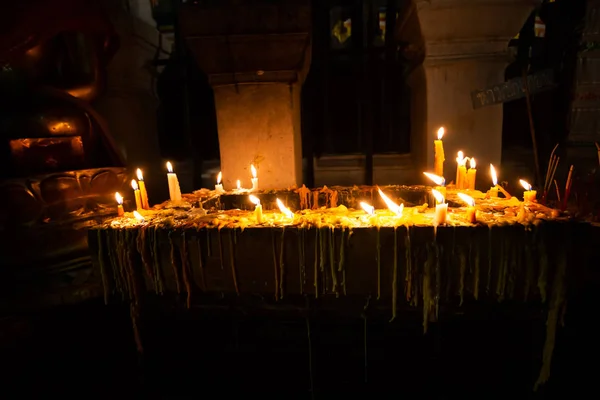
pixel 557 190
pixel 567 188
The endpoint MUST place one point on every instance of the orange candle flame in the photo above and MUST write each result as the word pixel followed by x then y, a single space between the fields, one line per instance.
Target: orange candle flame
pixel 493 174
pixel 286 211
pixel 134 184
pixel 119 198
pixel 369 209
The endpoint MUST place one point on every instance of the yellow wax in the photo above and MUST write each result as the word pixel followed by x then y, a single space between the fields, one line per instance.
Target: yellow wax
pixel 461 179
pixel 471 215
pixel 258 214
pixel 471 175
pixel 438 166
pixel 529 195
pixel 120 211
pixel 144 195
pixel 441 189
pixel 441 214
pixel 493 191
pixel 174 190
pixel 138 199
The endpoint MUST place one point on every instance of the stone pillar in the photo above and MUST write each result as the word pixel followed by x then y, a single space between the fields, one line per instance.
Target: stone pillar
pixel 256 55
pixel 464 45
pixel 260 124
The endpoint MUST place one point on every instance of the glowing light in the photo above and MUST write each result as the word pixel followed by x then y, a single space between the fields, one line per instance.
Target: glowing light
pixel 239 184
pixel 493 174
pixel 219 178
pixel 525 184
pixel 286 211
pixel 472 163
pixel 438 180
pixel 169 167
pixel 134 184
pixel 140 176
pixel 467 199
pixel 440 133
pixel 255 200
pixel 369 209
pixel 253 170
pixel 439 198
pixel 138 216
pixel 119 198
pixel 395 208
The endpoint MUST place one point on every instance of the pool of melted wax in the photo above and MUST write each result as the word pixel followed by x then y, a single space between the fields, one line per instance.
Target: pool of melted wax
pixel 491 212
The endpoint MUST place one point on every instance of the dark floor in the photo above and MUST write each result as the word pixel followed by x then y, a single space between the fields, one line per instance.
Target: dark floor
pixel 488 352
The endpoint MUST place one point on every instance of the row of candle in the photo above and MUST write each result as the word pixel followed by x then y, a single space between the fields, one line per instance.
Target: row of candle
pixel 254 180
pixel 141 194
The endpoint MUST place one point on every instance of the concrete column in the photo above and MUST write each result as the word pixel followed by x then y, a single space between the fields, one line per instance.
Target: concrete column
pixel 260 124
pixel 464 44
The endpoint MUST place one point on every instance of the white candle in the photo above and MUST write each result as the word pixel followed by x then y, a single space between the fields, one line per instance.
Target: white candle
pixel 441 208
pixel 174 190
pixel 257 209
pixel 219 185
pixel 254 178
pixel 529 194
pixel 119 198
pixel 136 193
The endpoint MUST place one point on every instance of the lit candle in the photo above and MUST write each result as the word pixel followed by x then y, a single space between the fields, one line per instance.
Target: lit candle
pixel 441 208
pixel 439 181
pixel 119 198
pixel 395 208
pixel 471 211
pixel 438 166
pixel 286 211
pixel 493 192
pixel 528 195
pixel 136 192
pixel 258 209
pixel 138 216
pixel 174 190
pixel 471 174
pixel 461 170
pixel 143 192
pixel 254 178
pixel 219 185
pixel 239 185
pixel 369 209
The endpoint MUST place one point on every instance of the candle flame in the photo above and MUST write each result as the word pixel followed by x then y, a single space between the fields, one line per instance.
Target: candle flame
pixel 119 198
pixel 169 167
pixel 138 216
pixel 493 174
pixel 398 209
pixel 440 133
pixel 461 156
pixel 134 184
pixel 253 170
pixel 219 177
pixel 467 199
pixel 525 184
pixel 369 209
pixel 255 200
pixel 140 176
pixel 439 198
pixel 239 184
pixel 472 163
pixel 286 211
pixel 438 180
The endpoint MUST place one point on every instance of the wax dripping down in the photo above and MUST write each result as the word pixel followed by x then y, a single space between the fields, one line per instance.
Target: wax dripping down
pixel 378 260
pixel 232 244
pixel 275 266
pixel 316 262
pixel 282 264
pixel 332 261
pixel 174 262
pixel 185 269
pixel 395 277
